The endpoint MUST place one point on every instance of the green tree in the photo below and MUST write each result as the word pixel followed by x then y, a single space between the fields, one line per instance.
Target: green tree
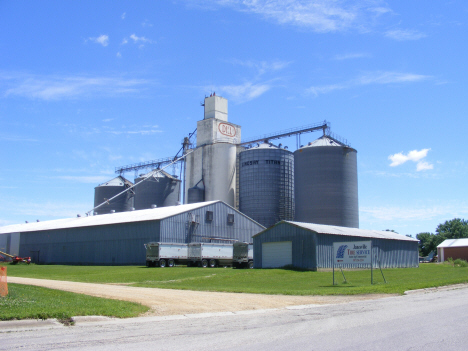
pixel 454 229
pixel 426 243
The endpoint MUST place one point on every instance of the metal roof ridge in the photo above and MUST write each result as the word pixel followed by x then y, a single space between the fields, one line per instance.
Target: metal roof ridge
pixel 103 219
pixel 345 230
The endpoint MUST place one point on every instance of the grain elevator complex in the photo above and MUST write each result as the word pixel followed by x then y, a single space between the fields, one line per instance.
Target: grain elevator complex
pixel 228 190
pixel 269 183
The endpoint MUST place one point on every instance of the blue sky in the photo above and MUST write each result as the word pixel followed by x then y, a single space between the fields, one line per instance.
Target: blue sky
pixel 86 86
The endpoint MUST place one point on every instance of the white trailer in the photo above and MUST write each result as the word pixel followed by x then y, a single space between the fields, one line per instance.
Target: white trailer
pixel 165 254
pixel 209 254
pixel 242 255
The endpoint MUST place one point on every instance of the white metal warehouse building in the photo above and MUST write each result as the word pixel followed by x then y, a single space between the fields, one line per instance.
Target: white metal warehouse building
pixel 119 238
pixel 310 246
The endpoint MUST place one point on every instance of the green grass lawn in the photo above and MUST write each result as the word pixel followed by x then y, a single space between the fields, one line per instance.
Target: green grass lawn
pixel 264 281
pixel 24 301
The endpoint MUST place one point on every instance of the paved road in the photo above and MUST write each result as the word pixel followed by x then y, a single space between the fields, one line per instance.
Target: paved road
pixel 423 321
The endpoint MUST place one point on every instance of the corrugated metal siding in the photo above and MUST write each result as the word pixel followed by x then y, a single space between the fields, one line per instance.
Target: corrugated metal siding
pixel 176 228
pixel 117 244
pixel 122 243
pixel 312 250
pixel 303 245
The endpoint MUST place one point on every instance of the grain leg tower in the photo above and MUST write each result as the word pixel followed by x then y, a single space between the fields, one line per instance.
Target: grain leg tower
pixel 211 168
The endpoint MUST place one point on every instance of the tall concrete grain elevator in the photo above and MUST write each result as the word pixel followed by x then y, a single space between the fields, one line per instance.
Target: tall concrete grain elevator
pixel 210 172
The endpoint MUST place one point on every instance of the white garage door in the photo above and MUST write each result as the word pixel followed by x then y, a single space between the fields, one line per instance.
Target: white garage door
pixel 277 254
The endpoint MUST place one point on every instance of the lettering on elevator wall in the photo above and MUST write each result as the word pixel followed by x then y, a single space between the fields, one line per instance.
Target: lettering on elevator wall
pixel 227 130
pixel 256 162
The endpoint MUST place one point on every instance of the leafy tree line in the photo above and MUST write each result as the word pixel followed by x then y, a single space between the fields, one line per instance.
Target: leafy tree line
pixel 454 229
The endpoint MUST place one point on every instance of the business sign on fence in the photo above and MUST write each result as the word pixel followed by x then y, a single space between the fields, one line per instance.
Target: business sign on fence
pixel 354 252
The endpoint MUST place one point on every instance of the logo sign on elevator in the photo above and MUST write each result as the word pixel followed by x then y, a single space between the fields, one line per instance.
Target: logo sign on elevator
pixel 353 252
pixel 226 130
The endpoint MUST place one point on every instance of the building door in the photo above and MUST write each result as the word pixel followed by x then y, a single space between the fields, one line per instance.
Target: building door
pixel 277 254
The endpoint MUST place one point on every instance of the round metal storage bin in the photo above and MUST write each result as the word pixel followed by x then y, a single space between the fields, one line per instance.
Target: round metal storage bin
pixel 195 195
pixel 109 189
pixel 162 190
pixel 326 186
pixel 266 184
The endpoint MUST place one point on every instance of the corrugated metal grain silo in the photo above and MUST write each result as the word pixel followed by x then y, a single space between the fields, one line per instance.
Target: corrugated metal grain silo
pixel 266 184
pixel 109 189
pixel 326 187
pixel 160 189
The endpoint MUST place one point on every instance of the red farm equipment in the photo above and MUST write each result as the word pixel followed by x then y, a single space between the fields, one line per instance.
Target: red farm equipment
pixel 16 259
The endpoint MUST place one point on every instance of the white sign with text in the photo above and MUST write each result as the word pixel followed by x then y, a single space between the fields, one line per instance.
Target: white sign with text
pixel 353 252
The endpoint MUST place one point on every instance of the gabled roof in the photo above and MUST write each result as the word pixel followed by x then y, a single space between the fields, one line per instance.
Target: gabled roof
pixel 324 140
pixel 454 243
pixel 111 218
pixel 346 231
pixel 117 181
pixel 158 173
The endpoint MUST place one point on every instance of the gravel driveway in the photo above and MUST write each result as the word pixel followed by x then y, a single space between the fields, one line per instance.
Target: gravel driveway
pixel 165 302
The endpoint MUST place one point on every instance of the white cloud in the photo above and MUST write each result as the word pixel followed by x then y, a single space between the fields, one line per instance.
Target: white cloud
pixel 102 39
pixel 146 23
pixel 49 209
pixel 352 56
pixel 317 15
pixel 326 89
pixel 70 87
pixel 395 213
pixel 119 55
pixel 262 67
pixel 403 35
pixel 414 156
pixel 17 138
pixel 389 77
pixel 5 222
pixel 368 79
pixel 137 39
pixel 424 166
pixel 123 15
pixel 245 92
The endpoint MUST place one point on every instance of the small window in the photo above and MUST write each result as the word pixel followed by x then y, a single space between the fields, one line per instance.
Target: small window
pixel 209 215
pixel 230 218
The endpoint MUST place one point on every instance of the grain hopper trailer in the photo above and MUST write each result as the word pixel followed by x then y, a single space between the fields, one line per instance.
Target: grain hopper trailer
pixel 242 255
pixel 209 255
pixel 165 254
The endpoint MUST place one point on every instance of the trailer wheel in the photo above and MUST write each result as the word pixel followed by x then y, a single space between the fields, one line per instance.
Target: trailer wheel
pixel 162 263
pixel 170 263
pixel 212 263
pixel 204 263
pixel 251 264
